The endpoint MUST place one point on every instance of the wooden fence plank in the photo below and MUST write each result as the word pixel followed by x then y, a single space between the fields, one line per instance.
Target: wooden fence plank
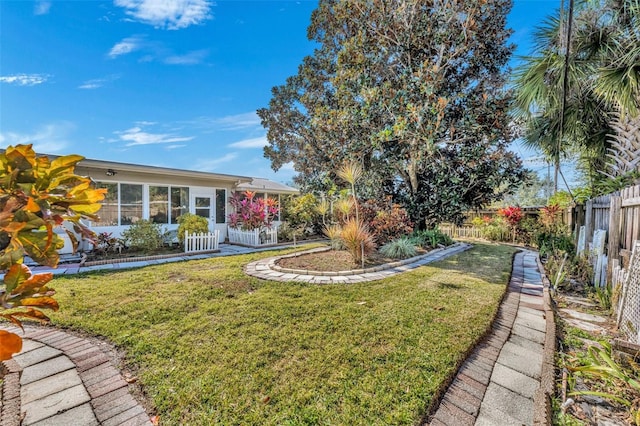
pixel 631 202
pixel 613 249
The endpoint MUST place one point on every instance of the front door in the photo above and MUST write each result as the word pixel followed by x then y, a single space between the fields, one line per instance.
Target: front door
pixel 203 206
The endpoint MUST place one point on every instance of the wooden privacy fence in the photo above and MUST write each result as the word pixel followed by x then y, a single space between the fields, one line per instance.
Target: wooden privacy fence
pixel 201 242
pixel 618 214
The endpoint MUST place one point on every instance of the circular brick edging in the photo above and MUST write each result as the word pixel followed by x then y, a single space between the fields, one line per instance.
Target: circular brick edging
pixel 268 269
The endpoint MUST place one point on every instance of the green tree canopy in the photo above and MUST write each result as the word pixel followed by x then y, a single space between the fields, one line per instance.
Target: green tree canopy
pixel 399 86
pixel 602 77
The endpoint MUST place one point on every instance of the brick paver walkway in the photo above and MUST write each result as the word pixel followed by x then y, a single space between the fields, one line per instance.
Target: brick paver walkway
pixel 506 379
pixel 61 380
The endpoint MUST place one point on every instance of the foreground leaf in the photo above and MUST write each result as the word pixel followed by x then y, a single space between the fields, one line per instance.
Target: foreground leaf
pixel 10 344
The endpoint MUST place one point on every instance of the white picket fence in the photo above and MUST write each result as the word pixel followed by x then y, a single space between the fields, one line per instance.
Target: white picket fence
pixel 201 242
pixel 255 237
pixel 461 231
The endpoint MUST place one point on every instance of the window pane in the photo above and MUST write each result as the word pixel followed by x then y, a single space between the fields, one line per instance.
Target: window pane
pixel 203 206
pixel 221 206
pixel 159 204
pixel 109 212
pixel 179 203
pixel 130 203
pixel 203 202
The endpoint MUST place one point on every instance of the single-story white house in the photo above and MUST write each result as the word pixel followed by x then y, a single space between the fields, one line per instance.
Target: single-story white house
pixel 163 194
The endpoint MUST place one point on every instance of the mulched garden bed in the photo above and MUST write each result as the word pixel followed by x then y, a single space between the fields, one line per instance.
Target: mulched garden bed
pixel 333 260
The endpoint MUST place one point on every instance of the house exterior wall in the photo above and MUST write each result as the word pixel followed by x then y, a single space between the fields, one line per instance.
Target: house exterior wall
pixel 202 188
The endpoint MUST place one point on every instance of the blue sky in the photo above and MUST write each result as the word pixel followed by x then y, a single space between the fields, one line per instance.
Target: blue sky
pixel 171 83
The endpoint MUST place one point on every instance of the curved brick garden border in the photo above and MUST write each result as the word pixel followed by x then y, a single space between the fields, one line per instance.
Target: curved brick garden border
pixel 268 270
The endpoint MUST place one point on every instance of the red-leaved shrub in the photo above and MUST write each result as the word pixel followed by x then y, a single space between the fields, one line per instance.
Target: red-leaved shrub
pixel 387 221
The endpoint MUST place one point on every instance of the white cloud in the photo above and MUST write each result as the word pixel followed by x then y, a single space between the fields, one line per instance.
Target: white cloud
pixel 213 163
pixel 260 142
pixel 47 139
pixel 98 82
pixel 24 79
pixel 191 58
pixel 42 7
pixel 136 136
pixel 169 14
pixel 238 121
pixel 288 167
pixel 174 147
pixel 127 45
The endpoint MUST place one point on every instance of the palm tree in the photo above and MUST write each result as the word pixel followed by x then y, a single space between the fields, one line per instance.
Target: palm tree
pixel 601 74
pixel 619 74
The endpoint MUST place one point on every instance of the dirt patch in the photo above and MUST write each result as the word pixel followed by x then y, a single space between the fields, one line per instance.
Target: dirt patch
pixel 332 261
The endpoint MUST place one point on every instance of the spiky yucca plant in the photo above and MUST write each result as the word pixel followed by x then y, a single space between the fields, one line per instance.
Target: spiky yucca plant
pixel 334 232
pixel 350 172
pixel 357 239
pixel 323 208
pixel 343 207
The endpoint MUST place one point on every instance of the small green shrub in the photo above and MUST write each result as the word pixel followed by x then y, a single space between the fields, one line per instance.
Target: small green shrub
pixel 143 235
pixel 402 248
pixel 497 230
pixel 431 238
pixel 193 223
pixel 527 231
pixel 301 212
pixel 287 233
pixel 550 243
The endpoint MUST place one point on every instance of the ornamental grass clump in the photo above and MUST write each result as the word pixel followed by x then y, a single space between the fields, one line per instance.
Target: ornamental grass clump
pixel 401 248
pixel 357 239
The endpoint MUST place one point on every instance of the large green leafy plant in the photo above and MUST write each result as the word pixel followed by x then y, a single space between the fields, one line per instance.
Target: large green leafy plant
pixel 36 195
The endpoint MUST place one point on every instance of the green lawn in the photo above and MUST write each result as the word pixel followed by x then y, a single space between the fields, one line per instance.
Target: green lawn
pixel 214 346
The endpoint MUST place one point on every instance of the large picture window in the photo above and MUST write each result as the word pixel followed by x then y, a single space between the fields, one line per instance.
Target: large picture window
pixel 221 206
pixel 124 204
pixel 179 203
pixel 130 203
pixel 159 204
pixel 108 213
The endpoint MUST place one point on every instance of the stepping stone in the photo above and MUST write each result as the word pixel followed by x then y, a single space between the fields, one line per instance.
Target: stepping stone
pixel 586 326
pixel 579 301
pixel 582 315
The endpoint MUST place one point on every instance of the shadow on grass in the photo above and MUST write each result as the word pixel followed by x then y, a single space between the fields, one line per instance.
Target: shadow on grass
pixel 480 261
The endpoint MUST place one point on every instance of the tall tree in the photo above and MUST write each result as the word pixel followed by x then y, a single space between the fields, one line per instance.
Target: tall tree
pixel 394 85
